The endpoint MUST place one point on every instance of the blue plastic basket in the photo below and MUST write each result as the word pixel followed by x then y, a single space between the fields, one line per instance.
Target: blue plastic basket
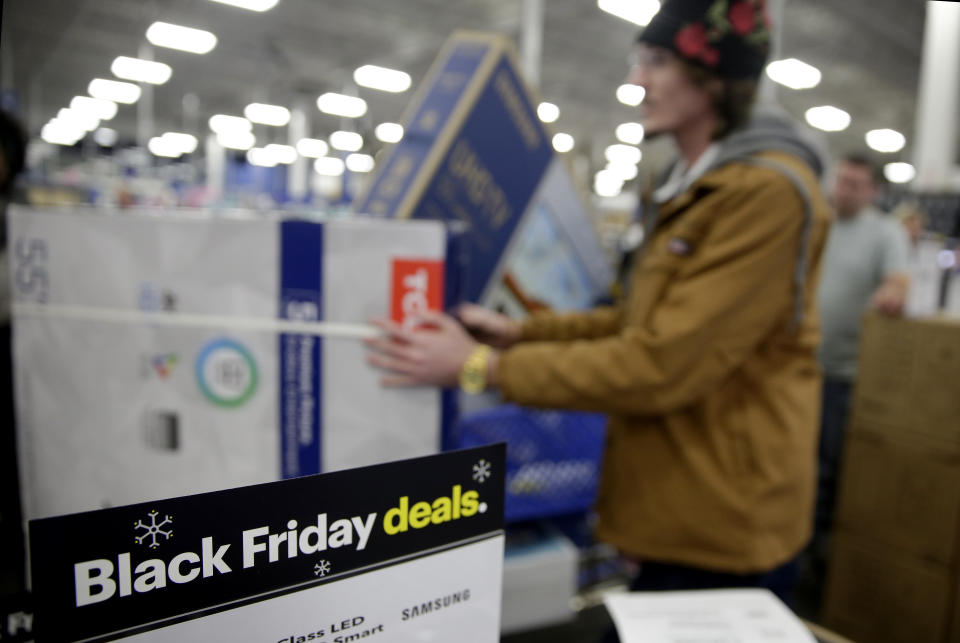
pixel 553 457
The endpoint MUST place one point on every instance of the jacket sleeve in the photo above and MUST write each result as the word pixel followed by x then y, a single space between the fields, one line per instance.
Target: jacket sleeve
pixel 553 327
pixel 720 304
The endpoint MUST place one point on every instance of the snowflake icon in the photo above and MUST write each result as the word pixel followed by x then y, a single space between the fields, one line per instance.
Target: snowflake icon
pixel 481 471
pixel 153 529
pixel 322 568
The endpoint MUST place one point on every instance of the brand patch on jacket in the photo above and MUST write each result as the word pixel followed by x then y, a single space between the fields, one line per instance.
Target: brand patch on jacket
pixel 679 246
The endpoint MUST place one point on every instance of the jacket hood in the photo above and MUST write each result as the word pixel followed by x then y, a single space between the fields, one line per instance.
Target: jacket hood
pixel 771 130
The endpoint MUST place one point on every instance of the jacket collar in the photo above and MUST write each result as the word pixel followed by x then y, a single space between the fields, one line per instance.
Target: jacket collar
pixel 681 176
pixel 710 181
pixel 715 177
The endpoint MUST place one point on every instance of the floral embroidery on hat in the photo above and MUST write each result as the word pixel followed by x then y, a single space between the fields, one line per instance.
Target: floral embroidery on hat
pixel 747 19
pixel 691 40
pixel 741 17
pixel 710 56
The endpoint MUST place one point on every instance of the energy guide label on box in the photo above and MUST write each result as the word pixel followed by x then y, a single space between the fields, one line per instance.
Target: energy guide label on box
pixel 405 551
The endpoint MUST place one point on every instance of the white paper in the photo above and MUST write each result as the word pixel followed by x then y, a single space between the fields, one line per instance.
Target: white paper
pixel 923 296
pixel 711 616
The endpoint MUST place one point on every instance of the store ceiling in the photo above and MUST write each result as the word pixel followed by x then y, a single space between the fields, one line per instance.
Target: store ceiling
pixel 868 51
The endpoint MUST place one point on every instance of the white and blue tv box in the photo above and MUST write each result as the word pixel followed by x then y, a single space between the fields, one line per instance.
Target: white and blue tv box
pixel 159 354
pixel 474 151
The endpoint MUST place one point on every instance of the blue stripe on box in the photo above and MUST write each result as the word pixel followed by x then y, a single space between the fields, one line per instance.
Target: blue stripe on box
pixel 455 271
pixel 301 298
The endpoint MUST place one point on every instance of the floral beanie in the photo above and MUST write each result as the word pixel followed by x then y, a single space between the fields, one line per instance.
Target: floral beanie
pixel 729 37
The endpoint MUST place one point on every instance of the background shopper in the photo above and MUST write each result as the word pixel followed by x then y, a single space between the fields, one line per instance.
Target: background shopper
pixel 865 266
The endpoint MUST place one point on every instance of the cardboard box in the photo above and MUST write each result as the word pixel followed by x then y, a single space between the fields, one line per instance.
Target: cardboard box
pixel 475 151
pixel 901 496
pixel 163 355
pixel 877 594
pixel 953 636
pixel 907 381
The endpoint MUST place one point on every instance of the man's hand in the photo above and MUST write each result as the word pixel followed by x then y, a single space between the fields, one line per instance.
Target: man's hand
pixel 489 327
pixel 891 296
pixel 434 354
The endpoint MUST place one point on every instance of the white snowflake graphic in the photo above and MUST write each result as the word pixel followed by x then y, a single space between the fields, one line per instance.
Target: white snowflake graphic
pixel 322 568
pixel 481 471
pixel 153 529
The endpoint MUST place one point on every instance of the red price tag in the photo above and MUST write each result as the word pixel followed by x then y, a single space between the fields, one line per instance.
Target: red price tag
pixel 417 286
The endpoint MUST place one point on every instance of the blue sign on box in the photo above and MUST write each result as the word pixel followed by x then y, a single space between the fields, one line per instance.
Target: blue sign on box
pixel 473 151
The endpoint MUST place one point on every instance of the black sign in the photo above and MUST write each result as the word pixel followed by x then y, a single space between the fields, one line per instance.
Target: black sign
pixel 110 573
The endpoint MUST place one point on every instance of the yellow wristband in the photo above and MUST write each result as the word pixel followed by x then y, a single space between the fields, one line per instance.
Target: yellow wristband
pixel 473 375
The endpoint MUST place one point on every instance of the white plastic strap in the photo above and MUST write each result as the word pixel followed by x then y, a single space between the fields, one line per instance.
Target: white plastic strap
pixel 121 316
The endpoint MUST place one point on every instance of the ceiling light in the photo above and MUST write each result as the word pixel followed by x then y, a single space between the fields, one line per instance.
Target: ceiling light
pixel 79 119
pixel 607 184
pixel 619 154
pixel 141 71
pixel 159 146
pixel 102 109
pixel 236 139
pixel 285 154
pixel 639 12
pixel 886 140
pixel 328 166
pixel 346 141
pixel 105 137
pixel 360 163
pixel 252 5
pixel 631 95
pixel 194 41
pixel 186 143
pixel 548 112
pixel 562 142
pixel 260 157
pixel 61 133
pixel 625 171
pixel 264 114
pixel 312 147
pixel 794 73
pixel 341 105
pixel 382 78
pixel 630 133
pixel 828 118
pixel 389 132
pixel 899 172
pixel 114 90
pixel 223 123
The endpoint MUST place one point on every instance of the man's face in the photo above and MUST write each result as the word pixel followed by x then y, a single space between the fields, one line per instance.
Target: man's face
pixel 672 101
pixel 853 189
pixel 914 226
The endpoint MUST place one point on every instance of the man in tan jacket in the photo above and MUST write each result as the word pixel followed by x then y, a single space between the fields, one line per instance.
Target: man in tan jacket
pixel 708 368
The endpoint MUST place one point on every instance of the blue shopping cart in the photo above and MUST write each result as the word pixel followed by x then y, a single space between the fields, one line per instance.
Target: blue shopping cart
pixel 553 457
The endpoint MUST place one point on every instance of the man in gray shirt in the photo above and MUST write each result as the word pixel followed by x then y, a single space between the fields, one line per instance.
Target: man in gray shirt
pixel 865 265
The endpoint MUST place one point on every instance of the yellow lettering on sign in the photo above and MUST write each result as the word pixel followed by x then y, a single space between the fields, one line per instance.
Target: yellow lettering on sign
pixel 459 504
